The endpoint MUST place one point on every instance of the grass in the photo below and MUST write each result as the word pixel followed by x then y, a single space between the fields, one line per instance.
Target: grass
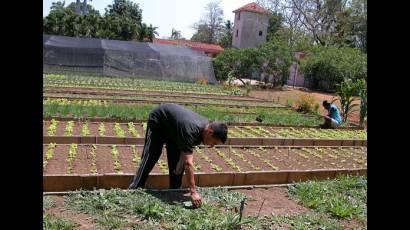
pixel 139 209
pixel 343 198
pixel 110 208
pixel 50 222
pixel 305 221
pixel 48 202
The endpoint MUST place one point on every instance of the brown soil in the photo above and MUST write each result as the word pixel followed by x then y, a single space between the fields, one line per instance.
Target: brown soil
pixel 104 162
pixel 215 160
pixel 127 165
pixel 83 159
pixel 275 201
pixel 84 221
pixel 60 128
pixel 46 124
pixel 283 158
pixel 93 127
pixel 57 164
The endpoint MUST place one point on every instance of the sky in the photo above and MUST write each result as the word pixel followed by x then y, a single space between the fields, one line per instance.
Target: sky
pixel 167 14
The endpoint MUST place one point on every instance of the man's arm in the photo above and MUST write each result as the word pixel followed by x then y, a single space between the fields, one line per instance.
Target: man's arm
pixel 189 169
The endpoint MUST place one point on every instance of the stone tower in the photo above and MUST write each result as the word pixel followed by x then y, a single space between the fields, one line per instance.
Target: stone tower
pixel 250 26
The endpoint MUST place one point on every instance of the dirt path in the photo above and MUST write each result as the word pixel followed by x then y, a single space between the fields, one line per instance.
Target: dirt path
pixel 275 201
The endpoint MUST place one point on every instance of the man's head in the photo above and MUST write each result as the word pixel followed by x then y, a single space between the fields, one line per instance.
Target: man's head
pixel 215 133
pixel 326 104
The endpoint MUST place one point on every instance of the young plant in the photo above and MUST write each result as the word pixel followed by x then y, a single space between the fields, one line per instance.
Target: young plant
pixel 101 129
pixel 71 157
pixel 85 131
pixel 49 154
pixel 132 130
pixel 115 154
pixel 216 167
pixel 93 154
pixel 52 128
pixel 227 160
pixel 69 128
pixel 197 166
pixel 242 157
pixel 118 130
pixel 257 155
pixel 136 159
pixel 163 166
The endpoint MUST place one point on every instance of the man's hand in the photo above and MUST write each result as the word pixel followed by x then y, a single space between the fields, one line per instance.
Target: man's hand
pixel 196 199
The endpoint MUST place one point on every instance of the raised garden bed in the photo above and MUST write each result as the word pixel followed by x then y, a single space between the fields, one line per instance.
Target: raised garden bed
pixel 64 132
pixel 101 159
pixel 159 100
pixel 98 108
pixel 134 84
pixel 119 120
pixel 114 92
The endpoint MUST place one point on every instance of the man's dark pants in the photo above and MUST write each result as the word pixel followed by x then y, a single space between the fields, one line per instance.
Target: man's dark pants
pixel 154 142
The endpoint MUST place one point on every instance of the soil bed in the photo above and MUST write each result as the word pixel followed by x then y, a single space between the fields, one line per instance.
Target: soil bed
pixel 262 159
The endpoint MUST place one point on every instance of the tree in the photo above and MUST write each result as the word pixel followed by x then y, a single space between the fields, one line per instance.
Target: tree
pixel 227 33
pixel 146 33
pixel 275 58
pixel 201 34
pixel 80 9
pixel 121 21
pixel 272 58
pixel 328 22
pixel 59 5
pixel 175 34
pixel 362 85
pixel 357 34
pixel 152 31
pixel 210 26
pixel 325 67
pixel 125 9
pixel 275 24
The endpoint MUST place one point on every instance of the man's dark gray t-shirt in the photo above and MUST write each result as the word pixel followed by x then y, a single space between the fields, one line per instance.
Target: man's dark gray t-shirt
pixel 179 125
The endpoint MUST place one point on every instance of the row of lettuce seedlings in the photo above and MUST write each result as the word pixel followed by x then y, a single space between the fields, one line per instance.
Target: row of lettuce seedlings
pixel 234 131
pixel 308 154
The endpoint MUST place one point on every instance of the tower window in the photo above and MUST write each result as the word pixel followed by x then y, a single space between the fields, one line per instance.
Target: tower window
pixel 239 16
pixel 260 33
pixel 237 31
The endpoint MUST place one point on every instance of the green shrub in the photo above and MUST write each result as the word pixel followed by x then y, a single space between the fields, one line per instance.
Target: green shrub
pixel 325 67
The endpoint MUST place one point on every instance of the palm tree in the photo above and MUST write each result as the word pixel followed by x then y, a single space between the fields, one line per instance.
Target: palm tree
pixel 175 34
pixel 57 5
pixel 152 32
pixel 146 32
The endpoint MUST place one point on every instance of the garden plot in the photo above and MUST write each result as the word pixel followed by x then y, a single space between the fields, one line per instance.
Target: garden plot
pixel 52 80
pixel 107 109
pixel 100 159
pixel 115 92
pixel 137 130
pixel 163 99
pixel 331 204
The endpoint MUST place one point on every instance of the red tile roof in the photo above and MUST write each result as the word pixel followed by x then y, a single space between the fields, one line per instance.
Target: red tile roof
pixel 253 7
pixel 209 48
